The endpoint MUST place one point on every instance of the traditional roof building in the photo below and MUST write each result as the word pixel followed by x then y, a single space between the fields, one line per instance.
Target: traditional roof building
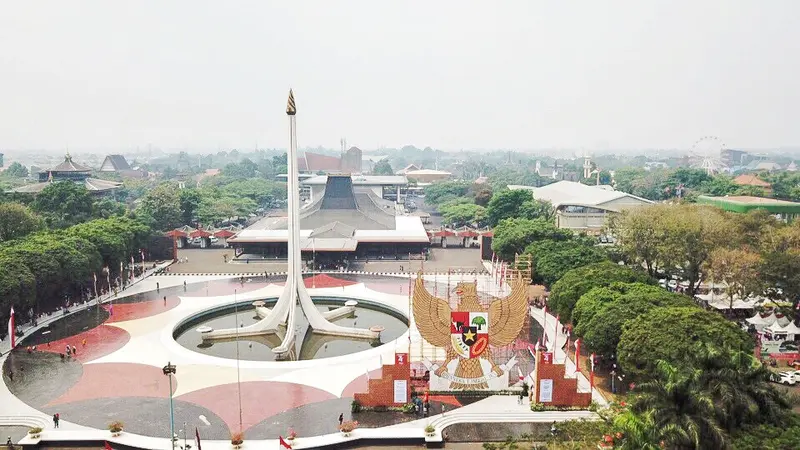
pixel 69 171
pixel 117 164
pixel 345 223
pixel 753 180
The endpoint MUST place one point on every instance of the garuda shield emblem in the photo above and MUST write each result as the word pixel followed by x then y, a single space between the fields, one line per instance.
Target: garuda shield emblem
pixel 469 331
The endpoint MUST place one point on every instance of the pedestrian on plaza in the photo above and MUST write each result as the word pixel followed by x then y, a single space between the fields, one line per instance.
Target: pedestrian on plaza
pixel 84 342
pixel 9 443
pixel 519 401
pixel 62 356
pixel 158 287
pixel 55 420
pixel 74 351
pixel 69 351
pixel 341 419
pixel 165 300
pixel 225 258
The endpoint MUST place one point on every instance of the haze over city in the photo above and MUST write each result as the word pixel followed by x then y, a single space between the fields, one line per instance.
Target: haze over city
pixel 594 76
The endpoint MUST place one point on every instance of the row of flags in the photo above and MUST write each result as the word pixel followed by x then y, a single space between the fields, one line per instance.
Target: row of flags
pixel 499 268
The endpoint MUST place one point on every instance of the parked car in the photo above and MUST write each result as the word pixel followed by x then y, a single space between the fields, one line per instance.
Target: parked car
pixel 785 378
pixel 788 347
pixel 795 374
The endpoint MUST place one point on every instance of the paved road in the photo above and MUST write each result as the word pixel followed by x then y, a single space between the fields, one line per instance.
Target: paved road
pixel 212 261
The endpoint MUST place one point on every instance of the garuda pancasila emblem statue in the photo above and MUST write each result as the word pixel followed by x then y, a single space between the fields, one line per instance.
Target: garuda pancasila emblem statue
pixel 468 332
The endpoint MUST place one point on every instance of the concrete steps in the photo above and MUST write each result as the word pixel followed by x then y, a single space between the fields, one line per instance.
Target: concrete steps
pixel 24 421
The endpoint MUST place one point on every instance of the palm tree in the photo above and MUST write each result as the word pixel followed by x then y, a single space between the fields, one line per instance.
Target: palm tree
pixel 683 412
pixel 738 383
pixel 639 431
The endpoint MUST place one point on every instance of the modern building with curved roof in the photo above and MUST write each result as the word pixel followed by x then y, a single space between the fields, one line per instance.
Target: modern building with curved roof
pixel 582 207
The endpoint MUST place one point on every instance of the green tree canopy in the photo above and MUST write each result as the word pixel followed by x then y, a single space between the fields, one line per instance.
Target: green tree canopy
pixel 63 204
pixel 461 214
pixel 602 321
pixel 669 334
pixel 569 288
pixel 16 170
pixel 17 221
pixel 447 190
pixel 552 259
pixel 161 207
pixel 513 236
pixel 518 203
pixel 383 167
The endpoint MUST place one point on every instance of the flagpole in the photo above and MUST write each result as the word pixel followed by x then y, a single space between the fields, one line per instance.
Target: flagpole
pixel 238 375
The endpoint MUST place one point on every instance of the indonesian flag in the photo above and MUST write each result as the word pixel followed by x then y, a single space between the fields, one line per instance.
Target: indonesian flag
pixel 197 438
pixel 107 446
pixel 11 328
pixel 283 443
pixel 141 252
pixel 95 277
pixel 592 361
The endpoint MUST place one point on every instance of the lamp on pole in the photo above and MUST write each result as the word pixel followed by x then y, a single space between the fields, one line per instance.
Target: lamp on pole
pixel 170 370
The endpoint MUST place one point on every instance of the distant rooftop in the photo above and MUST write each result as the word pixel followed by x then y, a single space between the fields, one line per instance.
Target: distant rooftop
pixel 362 180
pixel 69 166
pixel 745 203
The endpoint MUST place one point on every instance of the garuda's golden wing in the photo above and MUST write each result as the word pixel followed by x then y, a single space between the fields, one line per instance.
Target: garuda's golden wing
pixel 507 315
pixel 432 316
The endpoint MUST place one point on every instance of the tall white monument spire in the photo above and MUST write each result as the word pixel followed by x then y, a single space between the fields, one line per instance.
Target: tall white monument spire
pixel 284 311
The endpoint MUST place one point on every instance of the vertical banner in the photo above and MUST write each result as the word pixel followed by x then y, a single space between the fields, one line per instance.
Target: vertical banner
pixel 11 329
pixel 546 391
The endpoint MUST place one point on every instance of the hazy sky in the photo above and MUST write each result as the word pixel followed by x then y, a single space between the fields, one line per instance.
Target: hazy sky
pixel 511 74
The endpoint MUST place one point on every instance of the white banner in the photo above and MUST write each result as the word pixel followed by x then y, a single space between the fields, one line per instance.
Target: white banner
pixel 401 391
pixel 545 391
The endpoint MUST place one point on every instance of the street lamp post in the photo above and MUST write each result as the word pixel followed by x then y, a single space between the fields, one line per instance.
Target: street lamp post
pixel 170 370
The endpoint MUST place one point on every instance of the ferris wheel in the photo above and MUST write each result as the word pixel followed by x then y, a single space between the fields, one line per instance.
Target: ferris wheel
pixel 706 154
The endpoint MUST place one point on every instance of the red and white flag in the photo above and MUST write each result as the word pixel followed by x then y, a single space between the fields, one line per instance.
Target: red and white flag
pixel 577 355
pixel 197 438
pixel 283 443
pixel 591 374
pixel 107 446
pixel 11 328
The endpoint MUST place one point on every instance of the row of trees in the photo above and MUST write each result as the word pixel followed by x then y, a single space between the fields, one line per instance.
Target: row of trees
pixel 41 270
pixel 697 384
pixel 216 200
pixel 751 254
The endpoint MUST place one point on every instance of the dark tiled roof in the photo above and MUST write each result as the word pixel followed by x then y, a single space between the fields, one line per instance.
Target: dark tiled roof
pixel 69 166
pixel 118 162
pixel 91 184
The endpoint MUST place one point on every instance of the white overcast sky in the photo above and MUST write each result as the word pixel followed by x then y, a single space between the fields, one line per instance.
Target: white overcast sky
pixel 463 74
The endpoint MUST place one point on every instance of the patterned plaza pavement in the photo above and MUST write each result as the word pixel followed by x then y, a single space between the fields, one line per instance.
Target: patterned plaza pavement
pixel 122 345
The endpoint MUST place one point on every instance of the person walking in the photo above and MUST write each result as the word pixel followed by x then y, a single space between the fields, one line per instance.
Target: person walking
pixel 74 351
pixel 158 287
pixel 165 300
pixel 55 420
pixel 341 419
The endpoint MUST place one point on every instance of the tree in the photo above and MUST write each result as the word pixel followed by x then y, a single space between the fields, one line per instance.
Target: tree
pixel 569 288
pixel 601 331
pixel 740 271
pixel 552 259
pixel 512 236
pixel 105 208
pixel 459 215
pixel 189 200
pixel 63 204
pixel 649 339
pixel 17 221
pixel 280 163
pixel 441 192
pixel 162 208
pixel 676 238
pixel 17 286
pixel 518 203
pixel 483 196
pixel 682 411
pixel 16 170
pixel 383 167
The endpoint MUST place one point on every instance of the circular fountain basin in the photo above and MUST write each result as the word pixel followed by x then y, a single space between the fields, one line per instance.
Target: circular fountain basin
pixel 308 345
